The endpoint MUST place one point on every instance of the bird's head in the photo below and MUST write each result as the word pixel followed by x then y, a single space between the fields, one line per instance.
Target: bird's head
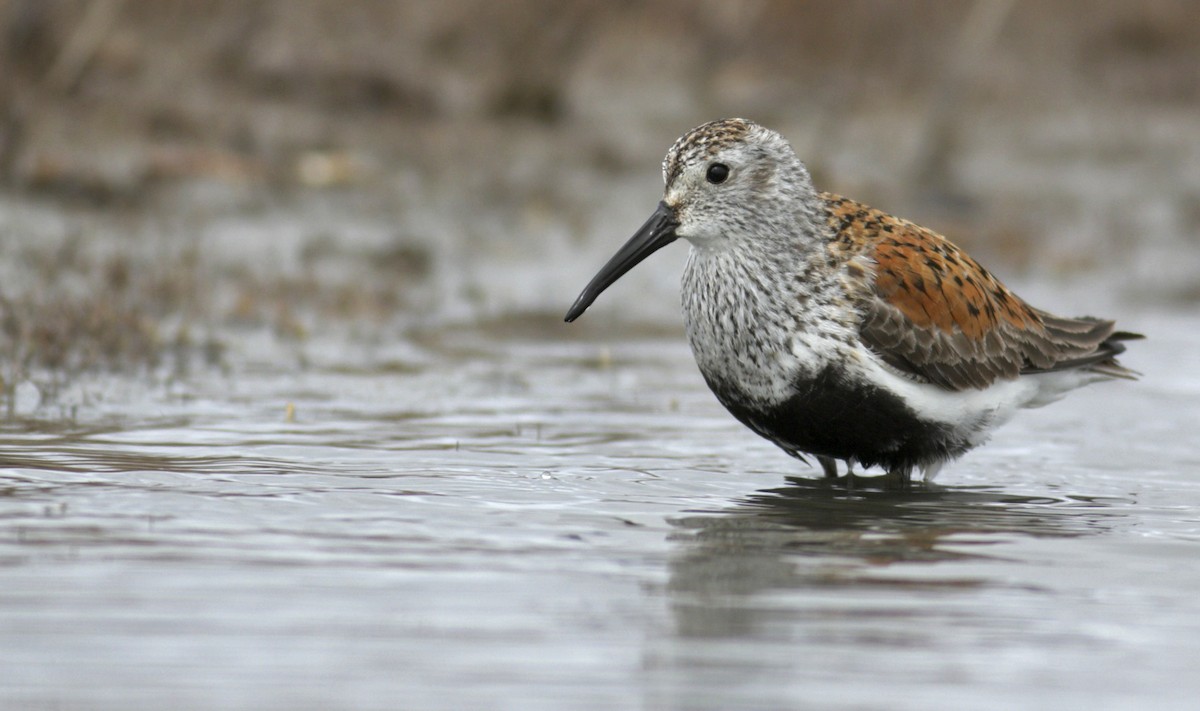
pixel 728 183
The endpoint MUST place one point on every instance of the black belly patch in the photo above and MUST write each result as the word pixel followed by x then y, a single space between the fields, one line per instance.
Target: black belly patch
pixel 832 417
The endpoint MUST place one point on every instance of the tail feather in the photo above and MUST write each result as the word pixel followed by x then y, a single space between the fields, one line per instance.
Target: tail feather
pixel 1101 357
pixel 1083 334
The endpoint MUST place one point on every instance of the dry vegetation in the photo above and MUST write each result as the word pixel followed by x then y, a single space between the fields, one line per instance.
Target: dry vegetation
pixel 111 108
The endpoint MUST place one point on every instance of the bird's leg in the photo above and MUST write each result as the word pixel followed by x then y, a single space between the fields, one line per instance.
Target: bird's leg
pixel 850 474
pixel 829 464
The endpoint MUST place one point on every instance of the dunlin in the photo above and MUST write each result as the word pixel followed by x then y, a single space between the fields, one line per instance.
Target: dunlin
pixel 838 331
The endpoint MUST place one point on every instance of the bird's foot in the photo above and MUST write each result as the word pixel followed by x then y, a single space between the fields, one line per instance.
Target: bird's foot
pixel 898 479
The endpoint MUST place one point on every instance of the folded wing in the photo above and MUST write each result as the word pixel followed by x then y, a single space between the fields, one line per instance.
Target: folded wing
pixel 933 312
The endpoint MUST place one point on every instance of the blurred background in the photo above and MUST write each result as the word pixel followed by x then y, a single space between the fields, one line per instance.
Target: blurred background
pixel 289 418
pixel 173 173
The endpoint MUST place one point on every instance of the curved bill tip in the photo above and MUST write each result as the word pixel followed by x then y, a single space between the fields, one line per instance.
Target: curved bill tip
pixel 658 232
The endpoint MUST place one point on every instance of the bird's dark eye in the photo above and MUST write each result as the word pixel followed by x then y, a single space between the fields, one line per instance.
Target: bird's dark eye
pixel 717 173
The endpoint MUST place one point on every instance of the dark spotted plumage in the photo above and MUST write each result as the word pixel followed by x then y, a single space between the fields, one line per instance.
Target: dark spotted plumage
pixel 701 142
pixel 836 330
pixel 934 312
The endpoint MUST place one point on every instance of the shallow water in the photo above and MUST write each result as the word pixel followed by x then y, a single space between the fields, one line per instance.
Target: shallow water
pixel 520 521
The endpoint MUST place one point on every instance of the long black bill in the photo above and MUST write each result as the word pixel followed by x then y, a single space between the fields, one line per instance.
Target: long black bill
pixel 658 232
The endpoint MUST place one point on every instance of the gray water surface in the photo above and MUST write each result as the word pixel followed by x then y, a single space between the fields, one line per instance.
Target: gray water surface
pixel 521 521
